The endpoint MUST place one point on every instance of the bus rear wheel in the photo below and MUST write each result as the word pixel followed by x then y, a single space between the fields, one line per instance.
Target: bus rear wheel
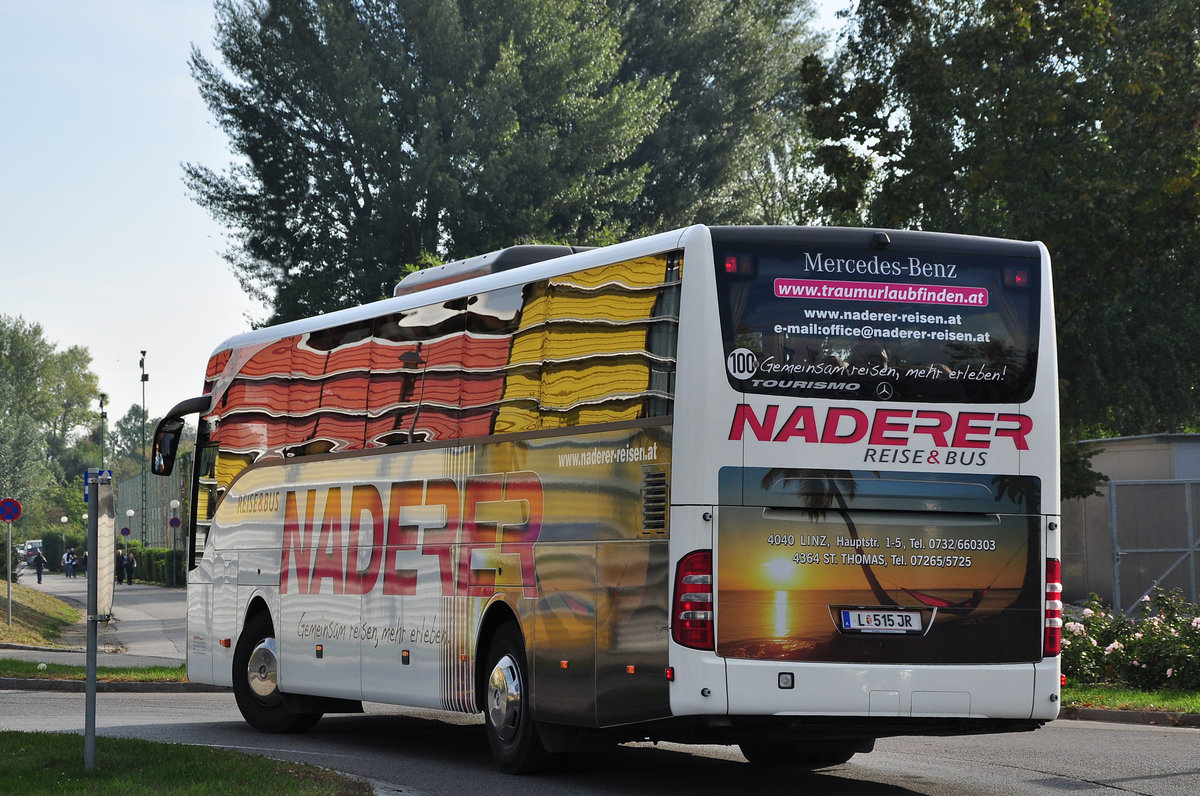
pixel 256 681
pixel 512 736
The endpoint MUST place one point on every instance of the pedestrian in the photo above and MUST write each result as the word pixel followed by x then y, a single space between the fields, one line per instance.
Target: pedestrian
pixel 39 563
pixel 71 561
pixel 66 566
pixel 130 566
pixel 120 567
pixel 82 565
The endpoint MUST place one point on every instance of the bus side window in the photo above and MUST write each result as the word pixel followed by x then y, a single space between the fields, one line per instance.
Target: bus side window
pixel 337 360
pixel 206 499
pixel 522 390
pixel 603 327
pixel 502 360
pixel 415 381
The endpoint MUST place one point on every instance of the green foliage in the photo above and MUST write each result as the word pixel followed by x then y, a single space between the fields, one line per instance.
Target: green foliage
pixel 373 132
pixel 15 559
pixel 1158 647
pixel 45 395
pixel 1079 478
pixel 727 150
pixel 1073 123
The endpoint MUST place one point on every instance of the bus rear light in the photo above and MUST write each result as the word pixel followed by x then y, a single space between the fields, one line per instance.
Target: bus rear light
pixel 1052 644
pixel 692 607
pixel 670 673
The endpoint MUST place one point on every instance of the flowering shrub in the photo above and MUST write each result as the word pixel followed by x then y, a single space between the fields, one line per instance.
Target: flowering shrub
pixel 1157 647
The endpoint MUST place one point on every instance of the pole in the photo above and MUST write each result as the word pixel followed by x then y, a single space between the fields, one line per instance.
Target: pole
pixel 8 571
pixel 174 527
pixel 103 423
pixel 99 593
pixel 145 378
pixel 93 636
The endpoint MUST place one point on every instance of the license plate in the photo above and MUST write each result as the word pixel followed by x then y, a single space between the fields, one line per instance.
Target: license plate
pixel 859 620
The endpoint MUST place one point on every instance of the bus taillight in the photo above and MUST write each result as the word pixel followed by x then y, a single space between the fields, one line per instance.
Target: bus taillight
pixel 1054 607
pixel 692 608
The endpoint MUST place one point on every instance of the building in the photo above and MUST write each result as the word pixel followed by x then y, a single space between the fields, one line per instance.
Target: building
pixel 1143 529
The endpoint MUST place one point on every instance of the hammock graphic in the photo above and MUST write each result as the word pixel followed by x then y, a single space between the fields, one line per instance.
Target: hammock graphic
pixel 964 606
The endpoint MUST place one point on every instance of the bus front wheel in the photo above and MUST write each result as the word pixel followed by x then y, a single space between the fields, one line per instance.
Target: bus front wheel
pixel 256 681
pixel 514 741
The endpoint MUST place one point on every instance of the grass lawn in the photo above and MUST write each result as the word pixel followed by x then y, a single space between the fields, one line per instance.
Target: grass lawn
pixel 37 618
pixel 1121 698
pixel 51 764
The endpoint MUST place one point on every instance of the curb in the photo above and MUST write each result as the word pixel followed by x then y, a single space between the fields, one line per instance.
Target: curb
pixel 109 649
pixel 1158 718
pixel 79 686
pixel 1153 718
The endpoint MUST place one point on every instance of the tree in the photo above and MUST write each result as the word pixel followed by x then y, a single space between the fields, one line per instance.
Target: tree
pixel 1071 122
pixel 44 398
pixel 729 64
pixel 375 133
pixel 128 455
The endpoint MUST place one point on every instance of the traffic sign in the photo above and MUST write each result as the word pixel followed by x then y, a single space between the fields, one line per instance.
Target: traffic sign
pixel 174 522
pixel 94 476
pixel 10 510
pixel 124 531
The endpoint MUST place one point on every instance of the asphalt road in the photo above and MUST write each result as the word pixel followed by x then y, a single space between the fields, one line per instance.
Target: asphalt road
pixel 423 752
pixel 419 752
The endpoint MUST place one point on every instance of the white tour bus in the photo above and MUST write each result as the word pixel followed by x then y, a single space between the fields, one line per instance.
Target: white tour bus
pixel 793 489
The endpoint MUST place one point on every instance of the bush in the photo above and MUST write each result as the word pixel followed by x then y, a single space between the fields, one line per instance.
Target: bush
pixel 1157 647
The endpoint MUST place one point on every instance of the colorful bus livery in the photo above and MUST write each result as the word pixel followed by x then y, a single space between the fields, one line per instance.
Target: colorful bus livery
pixel 789 488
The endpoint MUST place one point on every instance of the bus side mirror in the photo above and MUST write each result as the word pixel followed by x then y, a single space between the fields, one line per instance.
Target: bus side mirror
pixel 166 444
pixel 170 428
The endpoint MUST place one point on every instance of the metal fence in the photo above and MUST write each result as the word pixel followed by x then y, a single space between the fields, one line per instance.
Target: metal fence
pixel 160 491
pixel 1145 534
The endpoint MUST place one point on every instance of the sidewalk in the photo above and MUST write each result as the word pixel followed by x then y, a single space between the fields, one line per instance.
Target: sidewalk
pixel 148 628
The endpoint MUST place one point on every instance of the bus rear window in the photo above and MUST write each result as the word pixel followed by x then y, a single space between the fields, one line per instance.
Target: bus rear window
pixel 897 325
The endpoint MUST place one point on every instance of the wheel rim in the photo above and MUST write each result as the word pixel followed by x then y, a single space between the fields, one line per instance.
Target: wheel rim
pixel 262 672
pixel 504 698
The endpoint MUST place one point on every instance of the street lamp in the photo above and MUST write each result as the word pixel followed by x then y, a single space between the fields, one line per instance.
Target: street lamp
pixel 128 527
pixel 63 520
pixel 145 378
pixel 174 526
pixel 103 424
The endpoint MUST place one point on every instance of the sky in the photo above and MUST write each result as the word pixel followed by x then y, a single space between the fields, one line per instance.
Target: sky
pixel 100 243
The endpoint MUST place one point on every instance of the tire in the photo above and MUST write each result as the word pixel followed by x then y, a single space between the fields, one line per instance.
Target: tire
pixel 795 755
pixel 512 736
pixel 256 683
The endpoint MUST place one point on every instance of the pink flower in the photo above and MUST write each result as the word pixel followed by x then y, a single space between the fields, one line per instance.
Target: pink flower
pixel 1076 628
pixel 1116 645
pixel 1087 612
pixel 1170 672
pixel 1137 635
pixel 1145 598
pixel 1196 623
